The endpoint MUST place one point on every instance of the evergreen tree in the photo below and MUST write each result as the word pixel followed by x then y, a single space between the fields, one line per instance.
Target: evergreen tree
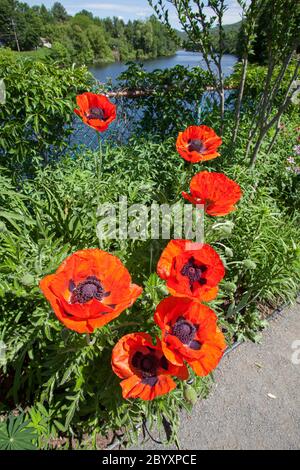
pixel 59 12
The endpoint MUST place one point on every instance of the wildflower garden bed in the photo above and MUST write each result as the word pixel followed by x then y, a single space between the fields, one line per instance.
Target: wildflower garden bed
pixel 103 336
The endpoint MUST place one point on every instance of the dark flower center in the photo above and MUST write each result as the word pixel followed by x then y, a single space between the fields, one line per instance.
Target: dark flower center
pixel 185 331
pixel 147 365
pixel 194 272
pixel 95 113
pixel 86 290
pixel 196 145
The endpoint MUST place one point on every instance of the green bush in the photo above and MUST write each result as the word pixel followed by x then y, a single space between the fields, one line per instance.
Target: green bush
pixel 255 82
pixel 35 120
pixel 171 96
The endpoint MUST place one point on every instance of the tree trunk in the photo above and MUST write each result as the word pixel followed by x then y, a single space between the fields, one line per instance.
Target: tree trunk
pixel 276 118
pixel 239 100
pixel 275 136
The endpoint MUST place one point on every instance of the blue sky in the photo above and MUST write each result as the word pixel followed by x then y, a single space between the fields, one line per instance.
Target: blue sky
pixel 129 9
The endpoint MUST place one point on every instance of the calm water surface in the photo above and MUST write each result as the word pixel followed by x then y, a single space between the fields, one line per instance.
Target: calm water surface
pixel 107 72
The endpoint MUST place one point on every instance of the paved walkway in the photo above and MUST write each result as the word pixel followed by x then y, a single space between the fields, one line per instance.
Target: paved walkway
pixel 255 403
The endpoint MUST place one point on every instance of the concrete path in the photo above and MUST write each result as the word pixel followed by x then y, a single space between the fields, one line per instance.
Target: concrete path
pixel 255 403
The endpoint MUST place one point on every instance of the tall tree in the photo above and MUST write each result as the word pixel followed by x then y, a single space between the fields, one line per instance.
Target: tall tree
pixel 247 35
pixel 281 39
pixel 59 12
pixel 198 22
pixel 8 16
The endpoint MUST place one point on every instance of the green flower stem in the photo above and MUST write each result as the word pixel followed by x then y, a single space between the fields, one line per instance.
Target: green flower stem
pixel 100 160
pixel 129 323
pixel 189 175
pixel 234 262
pixel 218 225
pixel 220 244
pixel 184 183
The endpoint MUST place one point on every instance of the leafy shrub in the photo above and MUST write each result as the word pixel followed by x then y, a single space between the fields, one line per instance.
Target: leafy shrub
pixel 16 435
pixel 170 96
pixel 35 120
pixel 255 82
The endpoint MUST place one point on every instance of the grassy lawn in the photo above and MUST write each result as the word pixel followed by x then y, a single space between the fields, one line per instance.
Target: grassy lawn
pixel 37 54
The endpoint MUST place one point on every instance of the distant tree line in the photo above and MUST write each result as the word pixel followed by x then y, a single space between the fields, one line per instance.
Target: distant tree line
pixel 82 38
pixel 230 42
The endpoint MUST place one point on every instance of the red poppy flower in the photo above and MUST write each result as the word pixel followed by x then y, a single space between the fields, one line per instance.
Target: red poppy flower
pixel 89 289
pixel 143 367
pixel 190 333
pixel 95 110
pixel 215 191
pixel 191 269
pixel 198 144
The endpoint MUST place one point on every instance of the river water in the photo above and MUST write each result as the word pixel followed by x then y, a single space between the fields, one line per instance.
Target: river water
pixel 107 72
pixel 121 129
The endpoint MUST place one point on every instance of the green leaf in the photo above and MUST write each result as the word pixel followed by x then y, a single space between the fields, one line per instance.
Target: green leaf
pixel 16 435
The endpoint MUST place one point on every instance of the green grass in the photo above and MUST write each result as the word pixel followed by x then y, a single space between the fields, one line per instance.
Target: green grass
pixel 39 54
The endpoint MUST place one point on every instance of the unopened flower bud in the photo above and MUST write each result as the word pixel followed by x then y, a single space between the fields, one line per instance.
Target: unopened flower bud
pixel 225 228
pixel 27 280
pixel 228 252
pixel 190 394
pixel 229 286
pixel 249 264
pixel 163 290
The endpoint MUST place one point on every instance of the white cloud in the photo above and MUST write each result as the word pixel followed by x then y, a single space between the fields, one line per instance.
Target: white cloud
pixel 233 15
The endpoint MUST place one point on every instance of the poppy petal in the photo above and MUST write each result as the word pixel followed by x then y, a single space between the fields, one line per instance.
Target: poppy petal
pixel 174 248
pixel 144 367
pixel 174 262
pixel 211 354
pixel 164 384
pixel 120 355
pixel 128 385
pixel 89 105
pixel 186 324
pixel 205 146
pixel 84 271
pixel 217 192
